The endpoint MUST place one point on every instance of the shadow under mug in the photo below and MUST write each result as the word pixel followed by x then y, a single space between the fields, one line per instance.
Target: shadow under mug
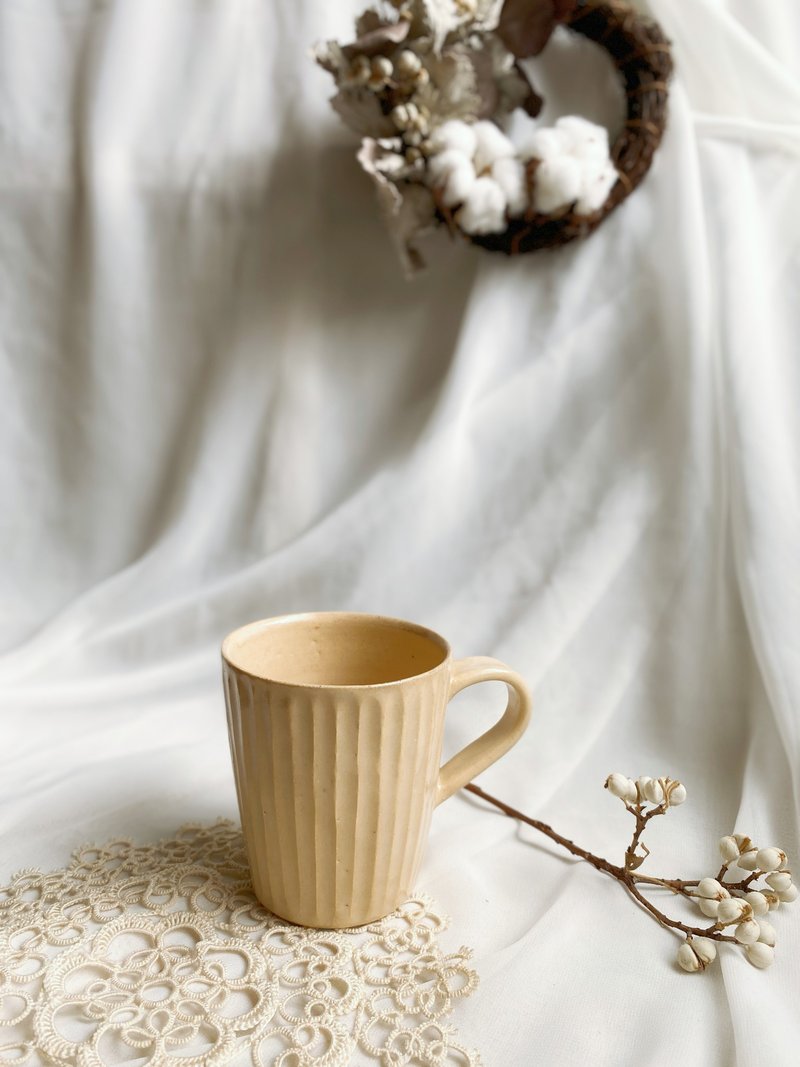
pixel 336 722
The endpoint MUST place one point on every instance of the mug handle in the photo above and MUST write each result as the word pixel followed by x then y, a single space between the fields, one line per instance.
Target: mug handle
pixel 498 739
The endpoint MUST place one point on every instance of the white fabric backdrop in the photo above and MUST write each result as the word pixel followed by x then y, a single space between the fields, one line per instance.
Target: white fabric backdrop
pixel 222 402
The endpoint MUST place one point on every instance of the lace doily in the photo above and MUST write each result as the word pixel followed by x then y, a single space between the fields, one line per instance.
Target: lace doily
pixel 161 954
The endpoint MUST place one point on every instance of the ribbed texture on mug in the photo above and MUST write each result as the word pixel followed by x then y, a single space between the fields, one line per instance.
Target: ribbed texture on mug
pixel 336 789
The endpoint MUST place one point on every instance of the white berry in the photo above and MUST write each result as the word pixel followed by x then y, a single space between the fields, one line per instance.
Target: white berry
pixel 653 791
pixel 711 888
pixel 621 786
pixel 770 859
pixel 748 860
pixel 760 955
pixel 708 894
pixel 747 933
pixel 780 881
pixel 382 67
pixel 408 62
pixel 677 794
pixel 734 910
pixel 696 953
pixel 767 935
pixel 758 902
pixel 728 848
pixel 705 949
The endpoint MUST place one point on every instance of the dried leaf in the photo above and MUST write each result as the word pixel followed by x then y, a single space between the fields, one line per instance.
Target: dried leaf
pixel 502 84
pixel 443 17
pixel 633 860
pixel 525 25
pixel 329 56
pixel 376 36
pixel 360 109
pixel 564 9
pixel 369 21
pixel 407 207
pixel 452 92
pixel 487 14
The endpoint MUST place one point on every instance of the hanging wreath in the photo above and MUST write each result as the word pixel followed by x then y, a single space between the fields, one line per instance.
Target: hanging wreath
pixel 428 83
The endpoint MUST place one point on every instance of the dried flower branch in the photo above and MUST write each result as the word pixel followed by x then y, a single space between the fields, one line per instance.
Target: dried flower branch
pixel 525 28
pixel 737 905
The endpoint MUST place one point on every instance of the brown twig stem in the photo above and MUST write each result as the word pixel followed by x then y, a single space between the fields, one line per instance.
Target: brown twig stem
pixel 676 885
pixel 745 883
pixel 628 878
pixel 582 853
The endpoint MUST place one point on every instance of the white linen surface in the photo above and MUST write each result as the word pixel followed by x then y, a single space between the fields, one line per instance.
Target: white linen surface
pixel 221 402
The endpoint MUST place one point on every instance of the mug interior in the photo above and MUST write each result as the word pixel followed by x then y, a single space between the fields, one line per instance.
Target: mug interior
pixel 334 649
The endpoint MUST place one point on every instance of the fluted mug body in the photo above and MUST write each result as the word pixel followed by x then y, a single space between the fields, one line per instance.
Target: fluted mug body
pixel 336 723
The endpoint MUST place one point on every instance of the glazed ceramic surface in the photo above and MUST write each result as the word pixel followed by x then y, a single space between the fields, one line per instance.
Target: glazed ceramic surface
pixel 336 724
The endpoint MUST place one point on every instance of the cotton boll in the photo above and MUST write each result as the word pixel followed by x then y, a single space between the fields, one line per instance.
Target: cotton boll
pixel 556 184
pixel 546 143
pixel 585 139
pixel 484 210
pixel 491 144
pixel 455 134
pixel 441 164
pixel 510 175
pixel 457 185
pixel 595 190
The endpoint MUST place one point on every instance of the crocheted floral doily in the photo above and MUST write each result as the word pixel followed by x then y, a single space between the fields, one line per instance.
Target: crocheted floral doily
pixel 161 954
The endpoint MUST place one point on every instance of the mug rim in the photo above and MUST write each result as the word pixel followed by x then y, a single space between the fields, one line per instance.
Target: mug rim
pixel 259 625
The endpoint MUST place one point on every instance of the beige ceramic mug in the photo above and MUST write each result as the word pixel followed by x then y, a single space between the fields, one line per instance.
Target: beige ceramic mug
pixel 336 723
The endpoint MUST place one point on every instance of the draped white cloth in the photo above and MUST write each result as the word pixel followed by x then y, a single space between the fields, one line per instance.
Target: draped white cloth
pixel 221 401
